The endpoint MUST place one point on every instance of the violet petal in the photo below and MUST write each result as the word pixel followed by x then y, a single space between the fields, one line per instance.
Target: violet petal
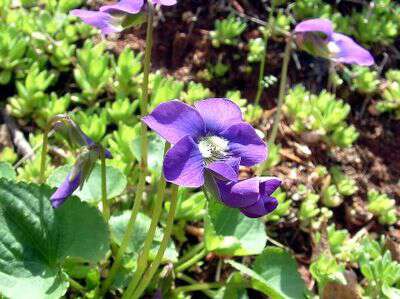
pixel 225 170
pixel 241 194
pixel 268 185
pixel 219 113
pixel 98 19
pixel 350 52
pixel 65 190
pixel 315 25
pixel 174 120
pixel 246 144
pixel 125 6
pixel 164 2
pixel 260 208
pixel 183 164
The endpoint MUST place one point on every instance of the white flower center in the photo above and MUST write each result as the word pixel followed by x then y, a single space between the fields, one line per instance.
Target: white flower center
pixel 333 48
pixel 213 148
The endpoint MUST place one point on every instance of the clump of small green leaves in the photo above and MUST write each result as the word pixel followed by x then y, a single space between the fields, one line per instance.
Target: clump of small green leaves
pixel 325 269
pixel 92 71
pixel 8 155
pixel 283 208
pixel 122 110
pixel 391 94
pixel 31 94
pixel 195 92
pixel 346 186
pixel 93 124
pixel 164 89
pixel 382 206
pixel 364 80
pixel 127 70
pixel 227 31
pixel 321 114
pixel 382 274
pixel 331 196
pixel 256 50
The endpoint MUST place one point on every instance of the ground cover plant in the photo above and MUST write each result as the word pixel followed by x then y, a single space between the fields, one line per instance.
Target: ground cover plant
pixel 199 149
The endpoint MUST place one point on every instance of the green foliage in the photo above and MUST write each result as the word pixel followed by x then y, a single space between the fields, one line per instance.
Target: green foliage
pixel 8 155
pixel 274 273
pixel 90 192
pixel 283 207
pixel 325 269
pixel 39 238
pixel 228 232
pixel 127 70
pixel 380 271
pixel 122 110
pixel 364 80
pixel 195 92
pixel 305 9
pixel 94 125
pixel 331 196
pixel 346 186
pixel 7 171
pixel 256 50
pixel 191 207
pixel 382 207
pixel 164 89
pixel 13 45
pixel 31 93
pixel 321 114
pixel 227 31
pixel 274 156
pixel 92 71
pixel 391 94
pixel 337 238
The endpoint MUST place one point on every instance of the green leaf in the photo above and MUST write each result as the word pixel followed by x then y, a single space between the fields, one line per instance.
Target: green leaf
pixel 279 272
pixel 142 224
pixel 35 239
pixel 235 288
pixel 155 152
pixel 7 171
pixel 229 232
pixel 91 191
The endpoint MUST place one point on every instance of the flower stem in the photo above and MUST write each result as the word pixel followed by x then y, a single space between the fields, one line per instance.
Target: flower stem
pixel 143 161
pixel 197 257
pixel 144 256
pixel 77 286
pixel 190 280
pixel 282 89
pixel 43 154
pixel 199 287
pixel 148 275
pixel 192 252
pixel 270 24
pixel 106 206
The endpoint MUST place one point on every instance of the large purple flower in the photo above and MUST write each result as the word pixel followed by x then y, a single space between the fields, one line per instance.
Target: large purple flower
pixel 211 137
pixel 112 18
pixel 317 37
pixel 251 196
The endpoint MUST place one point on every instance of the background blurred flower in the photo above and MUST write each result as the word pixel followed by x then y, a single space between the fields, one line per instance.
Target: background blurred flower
pixel 251 196
pixel 210 137
pixel 317 37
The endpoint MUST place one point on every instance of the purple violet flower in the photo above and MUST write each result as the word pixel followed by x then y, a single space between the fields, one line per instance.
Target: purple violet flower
pixel 210 137
pixel 317 37
pixel 112 18
pixel 251 196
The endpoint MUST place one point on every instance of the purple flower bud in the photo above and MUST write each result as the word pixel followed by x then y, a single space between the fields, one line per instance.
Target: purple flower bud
pixel 251 196
pixel 210 137
pixel 317 37
pixel 66 189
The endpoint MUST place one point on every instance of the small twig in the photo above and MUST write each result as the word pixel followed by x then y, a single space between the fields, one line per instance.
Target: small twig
pixel 18 138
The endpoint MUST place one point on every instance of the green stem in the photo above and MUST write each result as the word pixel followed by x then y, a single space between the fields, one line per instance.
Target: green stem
pixel 192 252
pixel 282 90
pixel 106 206
pixel 77 286
pixel 197 257
pixel 143 161
pixel 148 275
pixel 43 155
pixel 198 287
pixel 260 86
pixel 190 280
pixel 144 256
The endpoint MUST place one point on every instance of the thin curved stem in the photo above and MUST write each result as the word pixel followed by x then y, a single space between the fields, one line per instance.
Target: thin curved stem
pixel 104 202
pixel 282 89
pixel 199 287
pixel 191 261
pixel 143 161
pixel 144 256
pixel 148 275
pixel 190 280
pixel 43 155
pixel 261 73
pixel 191 253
